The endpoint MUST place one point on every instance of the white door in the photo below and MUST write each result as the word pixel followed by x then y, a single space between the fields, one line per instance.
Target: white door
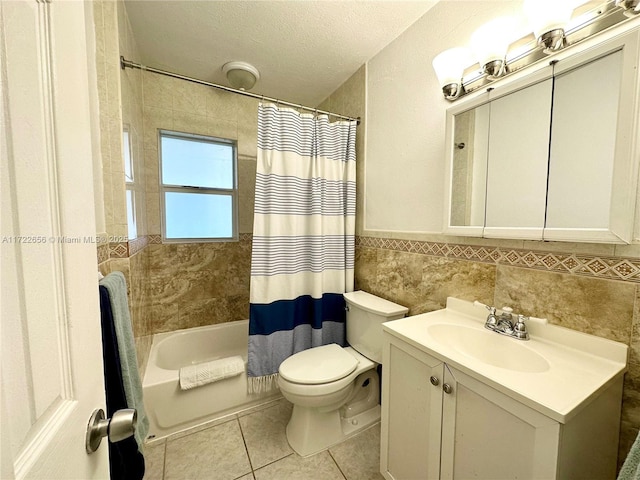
pixel 51 371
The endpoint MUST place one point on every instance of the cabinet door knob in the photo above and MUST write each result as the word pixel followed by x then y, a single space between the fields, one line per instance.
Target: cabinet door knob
pixel 447 388
pixel 434 380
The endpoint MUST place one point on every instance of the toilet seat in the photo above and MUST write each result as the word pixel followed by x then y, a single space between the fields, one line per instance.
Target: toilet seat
pixel 318 365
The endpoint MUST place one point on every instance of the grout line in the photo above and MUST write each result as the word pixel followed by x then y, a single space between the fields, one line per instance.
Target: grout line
pixel 336 462
pixel 164 460
pixel 200 427
pixel 246 449
pixel 275 461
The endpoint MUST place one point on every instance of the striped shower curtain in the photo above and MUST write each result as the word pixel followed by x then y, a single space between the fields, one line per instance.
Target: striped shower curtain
pixel 303 237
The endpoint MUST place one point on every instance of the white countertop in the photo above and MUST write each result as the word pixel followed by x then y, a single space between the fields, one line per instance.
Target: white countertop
pixel 580 365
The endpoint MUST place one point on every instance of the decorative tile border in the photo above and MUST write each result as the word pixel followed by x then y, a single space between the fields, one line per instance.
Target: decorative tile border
pixel 119 250
pixel 130 248
pixel 103 253
pixel 138 244
pixel 246 237
pixel 613 268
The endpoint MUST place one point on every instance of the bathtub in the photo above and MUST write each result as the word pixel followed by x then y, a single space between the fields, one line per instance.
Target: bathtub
pixel 171 409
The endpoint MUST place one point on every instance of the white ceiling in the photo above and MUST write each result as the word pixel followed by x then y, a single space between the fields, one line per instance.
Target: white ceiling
pixel 304 49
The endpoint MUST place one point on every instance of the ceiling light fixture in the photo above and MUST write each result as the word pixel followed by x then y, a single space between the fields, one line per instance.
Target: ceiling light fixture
pixel 241 75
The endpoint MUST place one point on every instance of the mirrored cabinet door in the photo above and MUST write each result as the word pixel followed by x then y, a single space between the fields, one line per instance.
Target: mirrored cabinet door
pixel 469 169
pixel 518 159
pixel 466 141
pixel 583 145
pixel 591 192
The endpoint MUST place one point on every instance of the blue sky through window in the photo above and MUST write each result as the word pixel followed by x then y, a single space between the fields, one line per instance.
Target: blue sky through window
pixel 198 215
pixel 196 163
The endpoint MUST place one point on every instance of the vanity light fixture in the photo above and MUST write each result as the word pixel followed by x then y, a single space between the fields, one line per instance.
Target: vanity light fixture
pixel 631 7
pixel 551 23
pixel 449 66
pixel 490 43
pixel 548 19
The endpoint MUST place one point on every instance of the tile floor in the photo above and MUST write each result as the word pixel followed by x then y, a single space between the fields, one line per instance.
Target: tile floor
pixel 252 446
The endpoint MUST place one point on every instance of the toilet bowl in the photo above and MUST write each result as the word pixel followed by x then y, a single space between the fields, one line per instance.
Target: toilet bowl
pixel 335 390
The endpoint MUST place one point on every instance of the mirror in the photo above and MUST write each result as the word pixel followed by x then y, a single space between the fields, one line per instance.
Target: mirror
pixel 550 154
pixel 578 168
pixel 469 170
pixel 518 159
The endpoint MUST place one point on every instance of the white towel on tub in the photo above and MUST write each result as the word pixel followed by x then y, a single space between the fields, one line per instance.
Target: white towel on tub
pixel 209 372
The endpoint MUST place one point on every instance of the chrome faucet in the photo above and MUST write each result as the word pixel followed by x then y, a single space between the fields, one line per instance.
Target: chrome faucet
pixel 504 325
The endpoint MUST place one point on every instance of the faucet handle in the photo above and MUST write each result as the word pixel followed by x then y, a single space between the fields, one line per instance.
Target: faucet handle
pixel 492 310
pixel 520 328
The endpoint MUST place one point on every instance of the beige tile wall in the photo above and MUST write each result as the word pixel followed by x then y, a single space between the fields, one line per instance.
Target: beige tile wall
pixel 194 284
pixel 120 103
pixel 110 105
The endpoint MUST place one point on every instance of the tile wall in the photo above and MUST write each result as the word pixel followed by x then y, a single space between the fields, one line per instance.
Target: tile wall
pixel 421 275
pixel 195 284
pixel 171 286
pixel 120 104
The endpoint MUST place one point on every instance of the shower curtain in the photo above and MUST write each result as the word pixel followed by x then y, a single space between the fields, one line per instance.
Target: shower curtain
pixel 303 237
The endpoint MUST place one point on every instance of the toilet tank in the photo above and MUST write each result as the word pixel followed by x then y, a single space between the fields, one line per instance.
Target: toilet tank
pixel 365 315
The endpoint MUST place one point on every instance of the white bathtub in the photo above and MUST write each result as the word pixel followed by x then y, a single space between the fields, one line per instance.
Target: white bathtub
pixel 171 409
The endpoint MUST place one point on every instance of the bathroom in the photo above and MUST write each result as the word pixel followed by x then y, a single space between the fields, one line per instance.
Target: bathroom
pixel 401 253
pixel 400 256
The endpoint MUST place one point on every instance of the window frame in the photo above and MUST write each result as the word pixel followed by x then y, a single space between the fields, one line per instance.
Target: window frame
pixel 230 192
pixel 132 185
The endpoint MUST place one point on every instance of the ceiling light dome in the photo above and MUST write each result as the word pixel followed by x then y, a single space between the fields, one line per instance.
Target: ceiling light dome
pixel 241 75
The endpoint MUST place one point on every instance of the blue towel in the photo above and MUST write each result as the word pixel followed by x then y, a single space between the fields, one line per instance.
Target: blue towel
pixel 116 285
pixel 631 468
pixel 126 462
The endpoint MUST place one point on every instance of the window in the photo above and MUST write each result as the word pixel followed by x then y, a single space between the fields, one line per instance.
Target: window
pixel 132 227
pixel 199 187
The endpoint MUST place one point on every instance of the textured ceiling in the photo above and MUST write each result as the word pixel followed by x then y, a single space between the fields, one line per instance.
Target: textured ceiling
pixel 304 49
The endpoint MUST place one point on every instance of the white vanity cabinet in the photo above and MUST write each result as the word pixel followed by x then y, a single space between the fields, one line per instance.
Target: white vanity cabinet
pixel 562 149
pixel 439 422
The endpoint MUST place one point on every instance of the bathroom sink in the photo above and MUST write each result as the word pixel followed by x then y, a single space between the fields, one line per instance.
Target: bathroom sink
pixel 555 372
pixel 489 347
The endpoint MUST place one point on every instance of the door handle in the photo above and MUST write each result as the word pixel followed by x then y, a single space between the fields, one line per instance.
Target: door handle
pixel 122 425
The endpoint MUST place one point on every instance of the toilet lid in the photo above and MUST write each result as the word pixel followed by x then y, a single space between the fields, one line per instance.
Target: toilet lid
pixel 324 364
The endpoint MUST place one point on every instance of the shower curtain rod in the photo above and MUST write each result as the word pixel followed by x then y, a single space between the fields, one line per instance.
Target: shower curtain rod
pixel 127 63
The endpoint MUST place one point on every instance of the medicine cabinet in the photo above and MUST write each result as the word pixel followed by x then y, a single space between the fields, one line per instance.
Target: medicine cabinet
pixel 551 153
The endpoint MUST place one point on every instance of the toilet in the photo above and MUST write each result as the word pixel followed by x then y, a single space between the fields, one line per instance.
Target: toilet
pixel 335 391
